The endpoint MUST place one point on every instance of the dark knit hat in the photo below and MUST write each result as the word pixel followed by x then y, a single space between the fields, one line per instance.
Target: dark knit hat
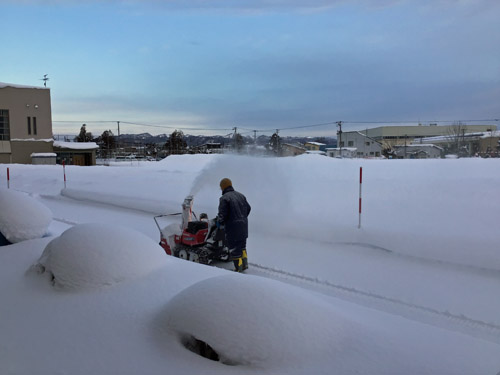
pixel 225 183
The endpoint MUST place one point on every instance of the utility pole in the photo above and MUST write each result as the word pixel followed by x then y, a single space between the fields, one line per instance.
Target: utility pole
pixel 406 136
pixel 234 137
pixel 339 138
pixel 255 137
pixel 118 138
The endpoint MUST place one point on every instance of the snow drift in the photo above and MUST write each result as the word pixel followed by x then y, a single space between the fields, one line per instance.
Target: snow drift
pixel 293 324
pixel 22 217
pixel 95 255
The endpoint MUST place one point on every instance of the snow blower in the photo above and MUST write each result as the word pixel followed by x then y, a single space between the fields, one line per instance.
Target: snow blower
pixel 200 240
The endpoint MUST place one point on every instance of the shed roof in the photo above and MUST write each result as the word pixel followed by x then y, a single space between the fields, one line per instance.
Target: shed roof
pixel 76 145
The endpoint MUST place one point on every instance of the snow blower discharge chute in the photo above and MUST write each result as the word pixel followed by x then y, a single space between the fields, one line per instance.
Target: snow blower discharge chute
pixel 198 240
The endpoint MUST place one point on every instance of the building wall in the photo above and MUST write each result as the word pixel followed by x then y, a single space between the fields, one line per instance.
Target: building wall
pixel 5 159
pixel 21 104
pixel 75 157
pixel 27 102
pixel 366 147
pixel 22 150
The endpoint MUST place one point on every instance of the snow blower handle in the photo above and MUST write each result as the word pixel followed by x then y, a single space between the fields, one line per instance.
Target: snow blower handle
pixel 156 221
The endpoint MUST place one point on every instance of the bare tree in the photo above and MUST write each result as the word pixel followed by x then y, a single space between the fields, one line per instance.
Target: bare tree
pixel 176 143
pixel 455 136
pixel 107 143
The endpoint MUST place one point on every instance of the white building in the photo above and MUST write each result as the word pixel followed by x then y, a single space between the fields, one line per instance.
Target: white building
pixel 365 147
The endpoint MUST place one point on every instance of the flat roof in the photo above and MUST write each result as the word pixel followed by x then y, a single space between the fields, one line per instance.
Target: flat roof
pixel 421 130
pixel 4 84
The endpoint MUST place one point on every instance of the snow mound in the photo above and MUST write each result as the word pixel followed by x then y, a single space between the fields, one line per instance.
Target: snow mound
pixel 22 217
pixel 95 255
pixel 253 321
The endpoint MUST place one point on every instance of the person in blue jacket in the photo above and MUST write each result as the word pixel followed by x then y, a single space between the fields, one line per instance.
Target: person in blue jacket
pixel 233 214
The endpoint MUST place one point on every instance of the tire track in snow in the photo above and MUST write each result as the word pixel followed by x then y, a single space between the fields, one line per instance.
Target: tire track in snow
pixel 429 315
pixel 65 221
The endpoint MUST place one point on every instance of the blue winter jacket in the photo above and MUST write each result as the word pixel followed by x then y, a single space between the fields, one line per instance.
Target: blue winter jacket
pixel 233 213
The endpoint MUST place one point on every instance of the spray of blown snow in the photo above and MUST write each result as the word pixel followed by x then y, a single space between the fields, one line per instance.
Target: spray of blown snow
pixel 207 177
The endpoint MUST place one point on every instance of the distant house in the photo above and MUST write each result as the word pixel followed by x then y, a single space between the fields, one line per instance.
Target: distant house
pixel 209 148
pixel 418 151
pixel 313 146
pixel 359 145
pixel 25 122
pixel 76 153
pixel 288 149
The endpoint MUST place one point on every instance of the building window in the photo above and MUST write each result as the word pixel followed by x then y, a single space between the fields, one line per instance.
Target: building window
pixel 34 125
pixel 29 125
pixel 367 143
pixel 4 125
pixel 350 143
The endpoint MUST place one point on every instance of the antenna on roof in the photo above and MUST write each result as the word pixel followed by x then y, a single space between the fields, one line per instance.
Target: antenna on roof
pixel 45 79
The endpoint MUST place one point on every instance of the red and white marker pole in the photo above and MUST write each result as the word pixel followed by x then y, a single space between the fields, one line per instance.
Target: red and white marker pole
pixel 64 171
pixel 360 184
pixel 8 179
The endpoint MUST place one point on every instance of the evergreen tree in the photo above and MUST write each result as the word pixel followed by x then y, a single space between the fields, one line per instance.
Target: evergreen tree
pixel 275 144
pixel 84 136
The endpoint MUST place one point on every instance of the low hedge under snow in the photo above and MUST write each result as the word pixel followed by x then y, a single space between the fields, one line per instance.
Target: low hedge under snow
pixel 95 255
pixel 22 217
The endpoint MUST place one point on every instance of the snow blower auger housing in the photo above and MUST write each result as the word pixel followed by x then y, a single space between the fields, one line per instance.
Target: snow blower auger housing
pixel 200 241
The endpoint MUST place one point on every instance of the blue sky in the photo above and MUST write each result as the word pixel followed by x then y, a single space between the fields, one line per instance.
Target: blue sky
pixel 208 66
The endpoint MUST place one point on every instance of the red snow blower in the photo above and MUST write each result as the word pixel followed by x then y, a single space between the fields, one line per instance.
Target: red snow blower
pixel 200 241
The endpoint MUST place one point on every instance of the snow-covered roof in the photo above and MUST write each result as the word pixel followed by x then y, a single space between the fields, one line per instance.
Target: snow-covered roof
pixel 343 148
pixel 452 137
pixel 4 84
pixel 32 140
pixel 419 145
pixel 76 145
pixel 43 155
pixel 316 143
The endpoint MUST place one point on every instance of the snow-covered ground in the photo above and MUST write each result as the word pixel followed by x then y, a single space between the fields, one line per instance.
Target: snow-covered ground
pixel 414 290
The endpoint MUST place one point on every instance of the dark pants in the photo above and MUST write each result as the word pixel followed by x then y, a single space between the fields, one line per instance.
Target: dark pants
pixel 236 248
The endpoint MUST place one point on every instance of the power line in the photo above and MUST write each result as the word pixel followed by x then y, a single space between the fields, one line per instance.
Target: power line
pixel 142 124
pixel 280 129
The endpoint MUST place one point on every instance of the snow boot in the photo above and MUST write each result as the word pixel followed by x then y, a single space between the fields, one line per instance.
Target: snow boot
pixel 238 265
pixel 245 259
